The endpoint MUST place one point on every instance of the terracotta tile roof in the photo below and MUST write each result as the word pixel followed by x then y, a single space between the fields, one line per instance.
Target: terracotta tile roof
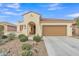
pixel 7 23
pixel 50 20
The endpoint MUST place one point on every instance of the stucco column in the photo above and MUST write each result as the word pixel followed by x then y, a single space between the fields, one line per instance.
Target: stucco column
pixel 17 29
pixel 41 29
pixel 25 30
pixel 5 29
pixel 38 29
pixel 69 30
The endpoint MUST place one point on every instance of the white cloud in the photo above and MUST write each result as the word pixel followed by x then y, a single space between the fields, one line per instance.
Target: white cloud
pixel 6 7
pixel 10 13
pixel 19 10
pixel 73 15
pixel 7 11
pixel 55 6
pixel 14 5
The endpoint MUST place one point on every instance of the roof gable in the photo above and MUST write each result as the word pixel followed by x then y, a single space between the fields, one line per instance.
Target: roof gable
pixel 31 12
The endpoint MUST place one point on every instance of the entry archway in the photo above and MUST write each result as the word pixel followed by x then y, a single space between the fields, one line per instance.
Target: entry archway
pixel 32 28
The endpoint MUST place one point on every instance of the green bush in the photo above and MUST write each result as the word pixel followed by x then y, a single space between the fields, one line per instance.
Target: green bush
pixel 11 36
pixel 4 37
pixel 26 53
pixel 23 37
pixel 7 38
pixel 37 38
pixel 26 47
pixel 3 41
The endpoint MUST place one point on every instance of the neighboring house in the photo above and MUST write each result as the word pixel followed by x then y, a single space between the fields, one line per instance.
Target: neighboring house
pixel 8 27
pixel 77 31
pixel 34 24
pixel 75 28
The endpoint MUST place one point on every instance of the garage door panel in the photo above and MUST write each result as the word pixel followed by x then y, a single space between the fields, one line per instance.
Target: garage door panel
pixel 54 30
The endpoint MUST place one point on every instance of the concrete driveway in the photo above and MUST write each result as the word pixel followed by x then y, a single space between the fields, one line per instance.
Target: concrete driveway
pixel 61 46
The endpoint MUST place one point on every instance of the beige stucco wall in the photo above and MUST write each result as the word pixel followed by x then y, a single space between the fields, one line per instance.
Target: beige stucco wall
pixel 8 32
pixel 76 30
pixel 18 28
pixel 5 30
pixel 69 28
pixel 30 17
pixel 33 17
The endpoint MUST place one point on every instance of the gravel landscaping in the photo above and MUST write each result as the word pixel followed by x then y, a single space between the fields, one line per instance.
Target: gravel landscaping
pixel 14 48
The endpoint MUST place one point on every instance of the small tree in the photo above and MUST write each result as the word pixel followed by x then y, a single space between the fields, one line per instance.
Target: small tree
pixel 77 22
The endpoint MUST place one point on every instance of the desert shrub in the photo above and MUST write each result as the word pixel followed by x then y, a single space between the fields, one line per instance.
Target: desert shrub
pixel 26 47
pixel 7 38
pixel 26 53
pixel 11 36
pixel 23 37
pixel 37 38
pixel 4 37
pixel 3 41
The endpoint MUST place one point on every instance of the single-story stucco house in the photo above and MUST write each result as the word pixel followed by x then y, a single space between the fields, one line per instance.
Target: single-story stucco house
pixel 8 27
pixel 34 24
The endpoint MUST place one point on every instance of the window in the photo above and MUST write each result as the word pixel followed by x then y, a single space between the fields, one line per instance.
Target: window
pixel 21 27
pixel 11 28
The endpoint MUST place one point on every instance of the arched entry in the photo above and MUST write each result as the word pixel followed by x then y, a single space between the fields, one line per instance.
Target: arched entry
pixel 32 28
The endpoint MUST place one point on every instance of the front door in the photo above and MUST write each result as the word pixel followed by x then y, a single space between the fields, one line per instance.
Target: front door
pixel 32 28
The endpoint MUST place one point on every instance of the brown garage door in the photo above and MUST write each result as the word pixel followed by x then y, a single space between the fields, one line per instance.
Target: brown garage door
pixel 57 30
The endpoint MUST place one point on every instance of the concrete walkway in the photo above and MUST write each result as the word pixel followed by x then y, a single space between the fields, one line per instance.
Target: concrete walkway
pixel 62 46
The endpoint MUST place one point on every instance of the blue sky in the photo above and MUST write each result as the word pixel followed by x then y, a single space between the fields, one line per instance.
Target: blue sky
pixel 12 12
